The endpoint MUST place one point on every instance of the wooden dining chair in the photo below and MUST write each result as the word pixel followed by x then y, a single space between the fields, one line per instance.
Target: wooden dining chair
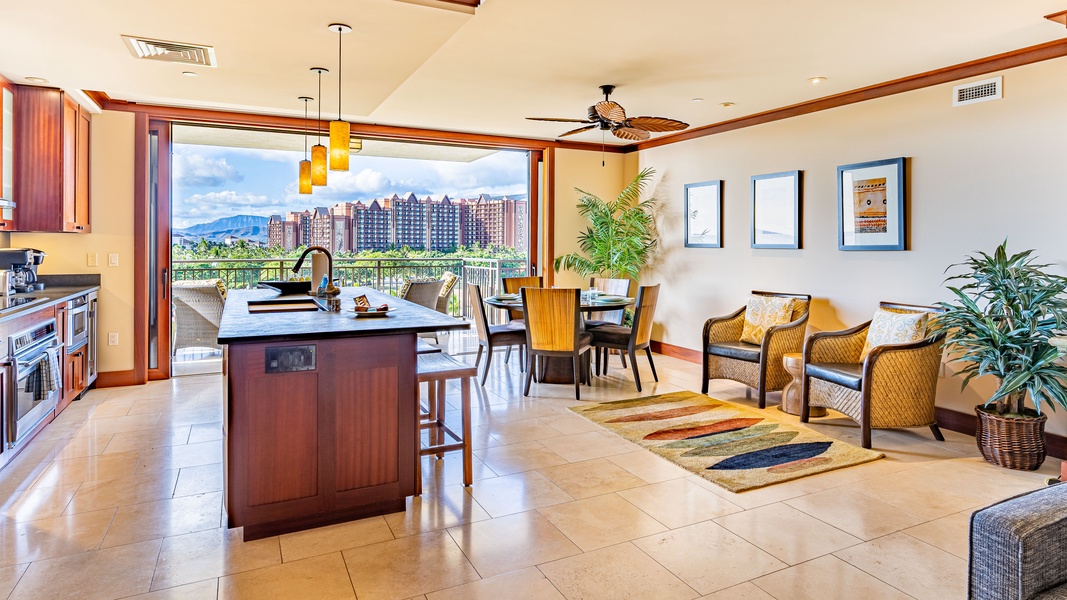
pixel 491 337
pixel 553 329
pixel 630 339
pixel 615 287
pixel 512 285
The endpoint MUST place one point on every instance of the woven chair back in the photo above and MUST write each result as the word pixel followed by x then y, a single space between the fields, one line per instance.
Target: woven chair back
pixel 512 285
pixel 616 287
pixel 551 318
pixel 647 296
pixel 424 293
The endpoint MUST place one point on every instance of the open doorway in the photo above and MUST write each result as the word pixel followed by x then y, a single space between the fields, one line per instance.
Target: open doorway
pixel 403 210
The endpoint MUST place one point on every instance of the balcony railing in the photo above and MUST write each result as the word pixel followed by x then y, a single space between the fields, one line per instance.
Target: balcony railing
pixel 383 274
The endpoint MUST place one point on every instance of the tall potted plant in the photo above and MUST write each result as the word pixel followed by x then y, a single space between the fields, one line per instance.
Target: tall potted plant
pixel 621 235
pixel 1000 324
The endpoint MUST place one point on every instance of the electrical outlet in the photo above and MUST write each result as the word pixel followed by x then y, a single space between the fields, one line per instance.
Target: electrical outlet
pixel 113 339
pixel 92 259
pixel 113 259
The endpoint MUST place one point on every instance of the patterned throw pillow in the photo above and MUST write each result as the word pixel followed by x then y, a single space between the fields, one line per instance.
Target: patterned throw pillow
pixel 450 280
pixel 894 328
pixel 762 313
pixel 222 287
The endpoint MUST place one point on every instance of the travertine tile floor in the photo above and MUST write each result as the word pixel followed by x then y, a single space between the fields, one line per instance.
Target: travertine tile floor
pixel 121 497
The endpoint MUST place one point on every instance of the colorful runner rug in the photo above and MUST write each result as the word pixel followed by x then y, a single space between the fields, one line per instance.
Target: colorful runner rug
pixel 736 447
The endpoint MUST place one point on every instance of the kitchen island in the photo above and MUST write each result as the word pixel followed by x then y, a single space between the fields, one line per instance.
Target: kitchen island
pixel 321 420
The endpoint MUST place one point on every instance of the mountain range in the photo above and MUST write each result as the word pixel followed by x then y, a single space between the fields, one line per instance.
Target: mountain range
pixel 248 227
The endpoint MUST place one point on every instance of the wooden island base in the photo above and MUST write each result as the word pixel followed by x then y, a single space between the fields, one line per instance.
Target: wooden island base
pixel 330 438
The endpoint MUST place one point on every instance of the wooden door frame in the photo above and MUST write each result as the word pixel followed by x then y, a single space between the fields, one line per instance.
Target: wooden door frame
pixel 146 120
pixel 162 250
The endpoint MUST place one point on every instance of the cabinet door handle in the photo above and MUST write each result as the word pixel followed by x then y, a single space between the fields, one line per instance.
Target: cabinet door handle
pixel 3 223
pixel 79 227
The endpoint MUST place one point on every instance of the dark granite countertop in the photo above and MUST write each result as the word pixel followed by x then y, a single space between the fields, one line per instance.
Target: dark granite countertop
pixel 238 325
pixel 50 296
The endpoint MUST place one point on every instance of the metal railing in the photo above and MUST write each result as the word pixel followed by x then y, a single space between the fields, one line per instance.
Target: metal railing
pixel 383 274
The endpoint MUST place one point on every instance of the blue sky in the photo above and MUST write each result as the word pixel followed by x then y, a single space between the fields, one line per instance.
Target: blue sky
pixel 211 182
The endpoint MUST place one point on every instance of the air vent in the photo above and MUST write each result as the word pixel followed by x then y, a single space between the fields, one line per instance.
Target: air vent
pixel 174 52
pixel 977 91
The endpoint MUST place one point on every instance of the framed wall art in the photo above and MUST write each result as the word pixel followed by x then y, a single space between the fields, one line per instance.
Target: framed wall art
pixel 776 210
pixel 703 214
pixel 871 206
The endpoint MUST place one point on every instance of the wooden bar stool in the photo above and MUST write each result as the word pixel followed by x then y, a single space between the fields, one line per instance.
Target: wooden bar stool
pixel 429 411
pixel 436 370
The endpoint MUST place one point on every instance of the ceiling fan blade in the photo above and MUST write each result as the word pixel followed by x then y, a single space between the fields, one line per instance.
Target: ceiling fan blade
pixel 558 120
pixel 631 133
pixel 657 124
pixel 610 110
pixel 579 130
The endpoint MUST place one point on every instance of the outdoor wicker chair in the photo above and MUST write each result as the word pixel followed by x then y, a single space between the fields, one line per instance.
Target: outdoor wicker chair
pixel 197 313
pixel 726 356
pixel 893 386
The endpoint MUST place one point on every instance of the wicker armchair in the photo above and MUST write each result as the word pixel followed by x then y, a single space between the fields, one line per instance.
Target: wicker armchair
pixel 894 387
pixel 758 366
pixel 197 312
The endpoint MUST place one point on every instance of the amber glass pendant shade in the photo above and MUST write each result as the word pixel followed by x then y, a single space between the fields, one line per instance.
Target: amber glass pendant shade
pixel 305 177
pixel 318 165
pixel 340 132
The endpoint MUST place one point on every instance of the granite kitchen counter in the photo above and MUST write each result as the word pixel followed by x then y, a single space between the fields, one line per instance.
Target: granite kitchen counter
pixel 239 325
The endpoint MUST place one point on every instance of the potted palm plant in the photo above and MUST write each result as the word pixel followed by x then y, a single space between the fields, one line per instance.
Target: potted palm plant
pixel 1000 323
pixel 621 235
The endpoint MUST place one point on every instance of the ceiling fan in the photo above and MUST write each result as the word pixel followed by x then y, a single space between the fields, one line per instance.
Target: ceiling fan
pixel 610 116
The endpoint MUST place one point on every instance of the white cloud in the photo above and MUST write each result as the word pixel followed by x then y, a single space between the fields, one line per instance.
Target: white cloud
pixel 195 170
pixel 204 208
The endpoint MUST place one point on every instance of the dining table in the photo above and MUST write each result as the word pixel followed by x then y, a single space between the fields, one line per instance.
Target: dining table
pixel 560 370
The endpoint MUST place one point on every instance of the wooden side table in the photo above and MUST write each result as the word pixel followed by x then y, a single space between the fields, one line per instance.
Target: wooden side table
pixel 791 399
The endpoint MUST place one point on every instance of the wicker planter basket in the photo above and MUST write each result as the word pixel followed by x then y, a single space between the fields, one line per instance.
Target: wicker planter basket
pixel 1010 442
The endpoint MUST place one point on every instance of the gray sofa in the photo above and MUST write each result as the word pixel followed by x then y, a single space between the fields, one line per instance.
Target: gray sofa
pixel 1019 547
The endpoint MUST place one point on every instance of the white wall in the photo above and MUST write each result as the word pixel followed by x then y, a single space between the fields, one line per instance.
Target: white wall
pixel 978 174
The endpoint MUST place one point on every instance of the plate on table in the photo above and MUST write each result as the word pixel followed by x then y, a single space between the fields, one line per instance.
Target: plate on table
pixel 507 297
pixel 368 314
pixel 612 300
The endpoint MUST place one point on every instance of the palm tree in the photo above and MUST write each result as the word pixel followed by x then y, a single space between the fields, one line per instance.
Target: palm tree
pixel 621 236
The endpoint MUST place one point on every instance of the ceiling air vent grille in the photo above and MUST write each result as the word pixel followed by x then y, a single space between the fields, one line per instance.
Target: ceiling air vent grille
pixel 174 52
pixel 978 91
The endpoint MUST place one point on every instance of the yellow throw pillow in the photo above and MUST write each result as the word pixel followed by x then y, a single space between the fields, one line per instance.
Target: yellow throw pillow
pixel 222 287
pixel 764 312
pixel 894 328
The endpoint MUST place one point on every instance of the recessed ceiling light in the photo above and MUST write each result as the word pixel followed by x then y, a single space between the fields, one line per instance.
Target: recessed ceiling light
pixel 697 100
pixel 190 73
pixel 36 80
pixel 726 104
pixel 816 80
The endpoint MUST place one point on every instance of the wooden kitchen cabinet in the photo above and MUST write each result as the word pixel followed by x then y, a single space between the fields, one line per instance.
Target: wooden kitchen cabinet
pixel 73 378
pixel 51 161
pixel 7 152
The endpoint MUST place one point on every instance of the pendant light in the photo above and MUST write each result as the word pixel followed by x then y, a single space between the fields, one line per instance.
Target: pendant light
pixel 305 165
pixel 340 131
pixel 318 151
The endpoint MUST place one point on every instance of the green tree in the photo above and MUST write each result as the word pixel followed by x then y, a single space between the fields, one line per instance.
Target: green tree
pixel 621 235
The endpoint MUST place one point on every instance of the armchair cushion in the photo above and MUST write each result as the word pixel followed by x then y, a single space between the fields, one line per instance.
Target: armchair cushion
pixel 894 328
pixel 848 375
pixel 739 350
pixel 762 313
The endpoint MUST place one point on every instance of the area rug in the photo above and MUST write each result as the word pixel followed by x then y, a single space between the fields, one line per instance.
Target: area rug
pixel 736 447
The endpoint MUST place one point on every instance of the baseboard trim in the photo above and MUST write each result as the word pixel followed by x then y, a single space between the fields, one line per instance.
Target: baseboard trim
pixel 666 349
pixel 953 420
pixel 109 379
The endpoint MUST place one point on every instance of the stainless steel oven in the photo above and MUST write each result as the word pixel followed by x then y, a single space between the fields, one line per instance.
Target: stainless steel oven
pixel 35 379
pixel 77 322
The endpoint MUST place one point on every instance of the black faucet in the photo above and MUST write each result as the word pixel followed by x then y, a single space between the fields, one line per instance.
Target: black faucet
pixel 331 289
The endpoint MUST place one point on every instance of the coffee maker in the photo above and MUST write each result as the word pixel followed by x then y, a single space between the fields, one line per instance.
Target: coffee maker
pixel 19 268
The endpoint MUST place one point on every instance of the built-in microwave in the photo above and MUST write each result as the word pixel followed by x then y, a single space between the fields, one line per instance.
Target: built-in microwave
pixel 77 322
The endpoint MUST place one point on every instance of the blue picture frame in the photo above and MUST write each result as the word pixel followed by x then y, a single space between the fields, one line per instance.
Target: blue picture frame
pixel 776 206
pixel 871 205
pixel 703 214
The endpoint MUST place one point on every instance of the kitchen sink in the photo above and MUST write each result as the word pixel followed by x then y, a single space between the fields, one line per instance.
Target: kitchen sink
pixel 285 305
